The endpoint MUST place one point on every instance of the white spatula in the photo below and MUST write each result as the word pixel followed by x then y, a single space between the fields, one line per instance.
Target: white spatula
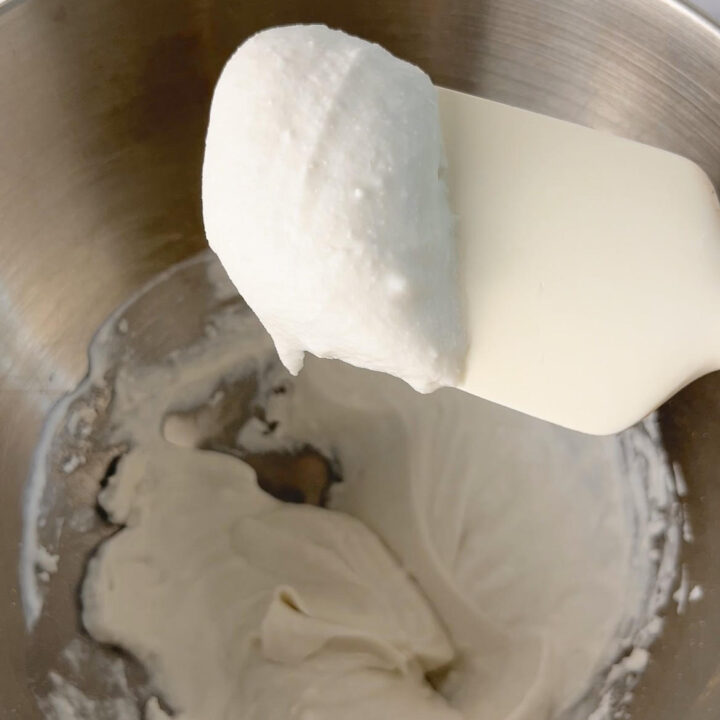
pixel 591 265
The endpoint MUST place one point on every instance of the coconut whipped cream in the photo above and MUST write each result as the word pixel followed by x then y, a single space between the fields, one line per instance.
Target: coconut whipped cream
pixel 243 606
pixel 473 563
pixel 324 198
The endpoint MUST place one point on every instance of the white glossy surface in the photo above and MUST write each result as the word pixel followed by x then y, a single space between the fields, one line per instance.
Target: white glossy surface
pixel 591 265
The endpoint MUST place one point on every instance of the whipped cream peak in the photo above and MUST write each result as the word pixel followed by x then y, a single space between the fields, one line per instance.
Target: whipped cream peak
pixel 324 198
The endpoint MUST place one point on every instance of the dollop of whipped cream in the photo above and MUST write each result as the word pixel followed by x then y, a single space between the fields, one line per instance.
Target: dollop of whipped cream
pixel 255 608
pixel 324 198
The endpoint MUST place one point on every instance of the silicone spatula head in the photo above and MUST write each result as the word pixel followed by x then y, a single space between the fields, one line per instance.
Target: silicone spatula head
pixel 590 265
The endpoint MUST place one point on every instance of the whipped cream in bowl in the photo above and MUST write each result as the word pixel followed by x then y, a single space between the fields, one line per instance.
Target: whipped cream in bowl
pixel 464 561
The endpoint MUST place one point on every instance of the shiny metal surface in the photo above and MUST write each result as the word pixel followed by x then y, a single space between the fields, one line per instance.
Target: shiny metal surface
pixel 103 107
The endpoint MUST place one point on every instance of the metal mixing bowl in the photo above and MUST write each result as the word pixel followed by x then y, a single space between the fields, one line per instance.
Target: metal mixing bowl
pixel 103 108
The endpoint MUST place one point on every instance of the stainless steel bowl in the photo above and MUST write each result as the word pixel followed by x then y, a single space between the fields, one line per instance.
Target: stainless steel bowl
pixel 103 107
